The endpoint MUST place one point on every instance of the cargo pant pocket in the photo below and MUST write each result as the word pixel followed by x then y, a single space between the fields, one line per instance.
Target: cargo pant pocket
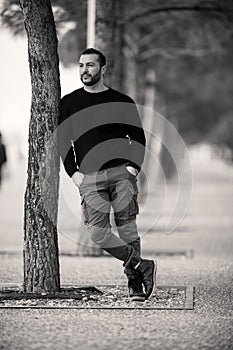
pixel 85 211
pixel 133 205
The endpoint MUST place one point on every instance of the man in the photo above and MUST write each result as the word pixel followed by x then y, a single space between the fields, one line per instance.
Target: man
pixel 108 145
pixel 3 158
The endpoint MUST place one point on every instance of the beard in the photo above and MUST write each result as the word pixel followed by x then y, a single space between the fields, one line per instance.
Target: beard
pixel 94 79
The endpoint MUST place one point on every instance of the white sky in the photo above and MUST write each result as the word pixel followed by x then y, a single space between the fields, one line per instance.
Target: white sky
pixel 15 89
pixel 14 83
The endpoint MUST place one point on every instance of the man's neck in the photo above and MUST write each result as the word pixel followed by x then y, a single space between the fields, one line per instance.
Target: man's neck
pixel 99 87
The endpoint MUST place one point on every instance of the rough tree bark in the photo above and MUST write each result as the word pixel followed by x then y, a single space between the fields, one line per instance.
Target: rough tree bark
pixel 41 264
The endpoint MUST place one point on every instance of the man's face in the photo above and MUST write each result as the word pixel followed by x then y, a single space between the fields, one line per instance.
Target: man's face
pixel 89 69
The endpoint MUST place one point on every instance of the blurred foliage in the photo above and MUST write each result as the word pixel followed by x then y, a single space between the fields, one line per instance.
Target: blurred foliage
pixel 191 52
pixel 189 45
pixel 70 19
pixel 222 133
pixel 11 16
pixel 196 92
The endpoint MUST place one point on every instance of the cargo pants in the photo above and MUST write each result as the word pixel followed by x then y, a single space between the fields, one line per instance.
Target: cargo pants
pixel 114 188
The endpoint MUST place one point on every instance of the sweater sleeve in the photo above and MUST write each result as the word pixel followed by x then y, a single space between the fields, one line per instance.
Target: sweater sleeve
pixel 136 137
pixel 65 139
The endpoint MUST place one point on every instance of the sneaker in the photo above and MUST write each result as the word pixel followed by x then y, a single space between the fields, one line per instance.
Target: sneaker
pixel 136 292
pixel 148 269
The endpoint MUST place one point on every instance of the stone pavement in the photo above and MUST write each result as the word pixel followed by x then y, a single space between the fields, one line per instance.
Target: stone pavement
pixel 206 229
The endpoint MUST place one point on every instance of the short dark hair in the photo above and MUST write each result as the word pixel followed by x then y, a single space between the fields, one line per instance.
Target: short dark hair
pixel 92 51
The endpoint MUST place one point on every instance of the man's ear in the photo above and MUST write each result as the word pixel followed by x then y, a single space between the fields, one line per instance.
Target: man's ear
pixel 103 69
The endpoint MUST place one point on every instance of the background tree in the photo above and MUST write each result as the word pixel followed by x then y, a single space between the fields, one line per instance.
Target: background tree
pixel 41 265
pixel 105 33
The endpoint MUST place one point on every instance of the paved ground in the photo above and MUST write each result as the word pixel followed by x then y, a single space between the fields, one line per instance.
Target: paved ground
pixel 207 229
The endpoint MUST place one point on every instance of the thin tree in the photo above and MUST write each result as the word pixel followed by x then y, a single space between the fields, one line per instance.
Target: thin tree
pixel 105 37
pixel 41 263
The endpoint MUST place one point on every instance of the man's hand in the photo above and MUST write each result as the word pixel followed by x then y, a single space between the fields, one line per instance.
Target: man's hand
pixel 77 178
pixel 132 170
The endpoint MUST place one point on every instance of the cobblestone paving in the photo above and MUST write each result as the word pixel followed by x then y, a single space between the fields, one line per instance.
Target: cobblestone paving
pixel 207 231
pixel 114 297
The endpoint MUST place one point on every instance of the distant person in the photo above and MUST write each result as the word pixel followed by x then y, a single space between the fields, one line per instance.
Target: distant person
pixel 104 163
pixel 3 157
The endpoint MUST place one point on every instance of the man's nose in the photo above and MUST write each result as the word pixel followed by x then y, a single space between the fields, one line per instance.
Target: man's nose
pixel 84 70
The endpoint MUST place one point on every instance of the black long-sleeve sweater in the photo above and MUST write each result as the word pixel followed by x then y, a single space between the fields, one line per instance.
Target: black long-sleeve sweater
pixel 99 130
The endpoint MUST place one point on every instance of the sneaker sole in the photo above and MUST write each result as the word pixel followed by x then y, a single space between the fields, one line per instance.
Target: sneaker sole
pixel 154 278
pixel 137 298
pixel 154 274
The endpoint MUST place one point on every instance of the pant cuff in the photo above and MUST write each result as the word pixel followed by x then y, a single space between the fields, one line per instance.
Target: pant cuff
pixel 133 259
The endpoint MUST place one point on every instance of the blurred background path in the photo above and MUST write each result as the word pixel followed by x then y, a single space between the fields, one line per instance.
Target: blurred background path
pixel 206 229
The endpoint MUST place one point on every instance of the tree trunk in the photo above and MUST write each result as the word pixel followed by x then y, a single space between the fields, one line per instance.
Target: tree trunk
pixel 105 37
pixel 41 264
pixel 105 33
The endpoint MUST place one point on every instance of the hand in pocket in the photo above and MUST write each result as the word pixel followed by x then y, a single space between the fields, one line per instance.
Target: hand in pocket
pixel 132 170
pixel 77 178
